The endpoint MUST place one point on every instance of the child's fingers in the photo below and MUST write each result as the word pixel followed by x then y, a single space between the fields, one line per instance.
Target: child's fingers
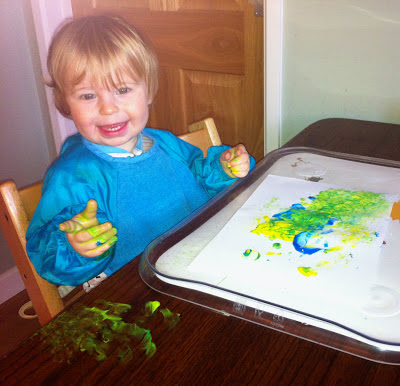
pixel 86 245
pixel 240 166
pixel 101 239
pixel 70 226
pixel 238 152
pixel 87 235
pixel 90 211
pixel 242 159
pixel 102 248
pixel 97 230
pixel 240 149
pixel 240 173
pixel 236 161
pixel 84 220
pixel 228 154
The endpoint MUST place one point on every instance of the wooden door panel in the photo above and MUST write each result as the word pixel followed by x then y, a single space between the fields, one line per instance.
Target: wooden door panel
pixel 216 95
pixel 169 107
pixel 210 54
pixel 193 40
pixel 172 5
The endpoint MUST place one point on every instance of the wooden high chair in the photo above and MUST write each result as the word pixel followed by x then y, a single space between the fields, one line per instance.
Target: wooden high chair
pixel 202 134
pixel 16 211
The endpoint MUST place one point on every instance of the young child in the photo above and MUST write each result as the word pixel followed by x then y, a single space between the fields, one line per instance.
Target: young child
pixel 115 173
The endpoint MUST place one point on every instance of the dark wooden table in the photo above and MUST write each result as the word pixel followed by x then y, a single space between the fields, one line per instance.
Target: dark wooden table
pixel 207 347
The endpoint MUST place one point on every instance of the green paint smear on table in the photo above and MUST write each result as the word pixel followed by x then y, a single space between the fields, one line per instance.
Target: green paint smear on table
pixel 171 318
pixel 99 331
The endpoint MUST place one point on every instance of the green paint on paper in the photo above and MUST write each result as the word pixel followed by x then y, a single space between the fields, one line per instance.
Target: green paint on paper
pixel 333 216
pixel 307 271
pixel 251 255
pixel 324 263
pixel 347 208
pixel 277 245
pixel 270 203
pixel 101 332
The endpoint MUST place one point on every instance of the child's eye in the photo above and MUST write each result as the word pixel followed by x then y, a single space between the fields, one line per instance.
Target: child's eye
pixel 123 90
pixel 88 97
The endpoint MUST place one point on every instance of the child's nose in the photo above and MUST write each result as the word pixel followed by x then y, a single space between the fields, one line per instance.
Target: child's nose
pixel 108 107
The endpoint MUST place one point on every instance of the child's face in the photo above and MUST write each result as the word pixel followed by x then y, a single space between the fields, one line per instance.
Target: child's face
pixel 110 117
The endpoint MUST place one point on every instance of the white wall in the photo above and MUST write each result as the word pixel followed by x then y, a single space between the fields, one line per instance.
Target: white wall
pixel 341 58
pixel 26 143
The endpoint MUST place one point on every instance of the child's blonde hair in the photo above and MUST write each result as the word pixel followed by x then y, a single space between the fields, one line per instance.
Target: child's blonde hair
pixel 103 47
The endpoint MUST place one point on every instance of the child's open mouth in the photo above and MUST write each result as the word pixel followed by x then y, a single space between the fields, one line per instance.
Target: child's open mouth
pixel 113 130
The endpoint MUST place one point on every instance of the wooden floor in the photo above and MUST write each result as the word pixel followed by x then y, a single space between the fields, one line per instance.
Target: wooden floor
pixel 14 329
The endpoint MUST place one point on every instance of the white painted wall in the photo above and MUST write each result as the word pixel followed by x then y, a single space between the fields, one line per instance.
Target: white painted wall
pixel 341 58
pixel 26 142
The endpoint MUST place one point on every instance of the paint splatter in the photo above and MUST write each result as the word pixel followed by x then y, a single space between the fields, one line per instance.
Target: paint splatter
pixel 327 221
pixel 307 271
pixel 100 331
pixel 299 160
pixel 251 255
pixel 314 179
pixel 271 203
pixel 171 318
pixel 151 307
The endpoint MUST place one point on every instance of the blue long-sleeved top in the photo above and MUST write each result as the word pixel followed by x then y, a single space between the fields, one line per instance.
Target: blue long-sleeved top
pixel 141 196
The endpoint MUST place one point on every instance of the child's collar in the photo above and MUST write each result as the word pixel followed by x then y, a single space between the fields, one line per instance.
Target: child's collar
pixel 118 152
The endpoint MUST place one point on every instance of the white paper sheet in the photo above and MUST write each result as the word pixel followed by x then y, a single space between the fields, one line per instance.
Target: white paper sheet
pixel 337 259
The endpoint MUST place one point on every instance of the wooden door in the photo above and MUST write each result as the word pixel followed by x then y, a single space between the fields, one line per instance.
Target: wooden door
pixel 211 63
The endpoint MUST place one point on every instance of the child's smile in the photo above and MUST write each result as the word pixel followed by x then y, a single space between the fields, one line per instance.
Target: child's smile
pixel 114 130
pixel 113 117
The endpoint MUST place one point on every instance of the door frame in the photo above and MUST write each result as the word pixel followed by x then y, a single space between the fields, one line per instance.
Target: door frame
pixel 273 34
pixel 47 16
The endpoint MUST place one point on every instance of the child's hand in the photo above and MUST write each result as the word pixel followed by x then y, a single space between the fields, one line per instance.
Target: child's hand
pixel 235 161
pixel 86 235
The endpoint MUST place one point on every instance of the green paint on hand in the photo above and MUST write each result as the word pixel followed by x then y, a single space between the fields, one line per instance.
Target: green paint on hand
pixel 95 231
pixel 113 240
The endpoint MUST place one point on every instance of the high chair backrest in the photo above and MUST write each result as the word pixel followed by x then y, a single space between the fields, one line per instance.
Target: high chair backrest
pixel 16 211
pixel 202 134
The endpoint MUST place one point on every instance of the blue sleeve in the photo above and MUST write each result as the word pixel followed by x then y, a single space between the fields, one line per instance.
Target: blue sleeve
pixel 48 248
pixel 53 257
pixel 207 171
